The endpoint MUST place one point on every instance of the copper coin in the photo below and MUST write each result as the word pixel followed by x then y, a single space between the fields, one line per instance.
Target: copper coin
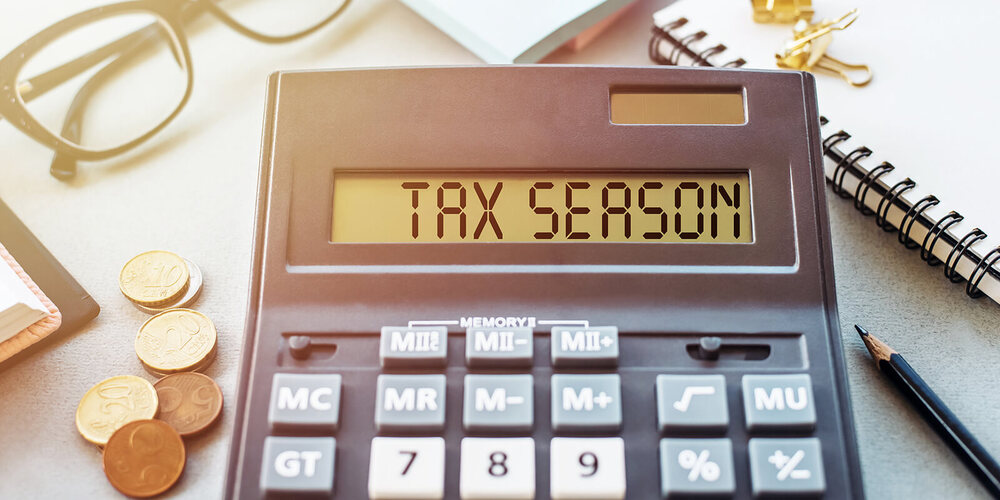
pixel 190 402
pixel 144 458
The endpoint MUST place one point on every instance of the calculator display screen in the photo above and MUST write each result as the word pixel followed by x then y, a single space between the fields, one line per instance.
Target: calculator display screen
pixel 470 207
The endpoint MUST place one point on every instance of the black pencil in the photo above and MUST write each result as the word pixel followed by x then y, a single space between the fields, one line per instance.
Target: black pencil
pixel 947 425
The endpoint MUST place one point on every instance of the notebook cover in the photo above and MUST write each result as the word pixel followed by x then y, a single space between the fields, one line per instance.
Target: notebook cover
pixel 37 331
pixel 75 304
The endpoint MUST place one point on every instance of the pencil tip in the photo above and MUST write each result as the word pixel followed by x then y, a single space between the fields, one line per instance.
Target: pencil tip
pixel 877 348
pixel 861 331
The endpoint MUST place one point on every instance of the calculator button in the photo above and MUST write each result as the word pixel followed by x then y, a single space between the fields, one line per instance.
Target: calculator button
pixel 586 403
pixel 498 403
pixel 497 468
pixel 696 467
pixel 778 402
pixel 585 468
pixel 786 466
pixel 305 400
pixel 298 465
pixel 410 403
pixel 584 347
pixel 691 402
pixel 413 347
pixel 499 347
pixel 406 468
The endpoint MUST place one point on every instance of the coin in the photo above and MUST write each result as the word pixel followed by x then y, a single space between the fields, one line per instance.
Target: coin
pixel 176 340
pixel 144 458
pixel 190 402
pixel 153 278
pixel 113 403
pixel 195 284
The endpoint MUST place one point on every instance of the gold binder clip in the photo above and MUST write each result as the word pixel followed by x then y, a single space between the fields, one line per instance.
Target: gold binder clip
pixel 781 11
pixel 807 51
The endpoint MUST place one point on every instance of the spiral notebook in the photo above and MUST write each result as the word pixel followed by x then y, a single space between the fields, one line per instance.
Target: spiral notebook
pixel 916 148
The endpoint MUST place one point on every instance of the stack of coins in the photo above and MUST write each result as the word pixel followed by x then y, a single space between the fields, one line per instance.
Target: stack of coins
pixel 140 425
pixel 158 280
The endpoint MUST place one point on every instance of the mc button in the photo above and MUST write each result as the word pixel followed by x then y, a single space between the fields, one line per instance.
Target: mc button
pixel 305 400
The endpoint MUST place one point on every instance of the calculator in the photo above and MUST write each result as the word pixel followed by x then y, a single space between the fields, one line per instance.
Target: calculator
pixel 552 282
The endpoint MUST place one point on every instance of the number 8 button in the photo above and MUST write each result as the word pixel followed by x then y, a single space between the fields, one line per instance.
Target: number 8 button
pixel 497 468
pixel 587 468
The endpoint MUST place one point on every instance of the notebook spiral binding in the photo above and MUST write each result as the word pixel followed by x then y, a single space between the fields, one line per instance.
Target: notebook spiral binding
pixel 914 213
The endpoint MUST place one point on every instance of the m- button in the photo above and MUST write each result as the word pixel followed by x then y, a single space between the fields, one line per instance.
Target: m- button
pixel 413 347
pixel 499 347
pixel 305 400
pixel 778 402
pixel 584 347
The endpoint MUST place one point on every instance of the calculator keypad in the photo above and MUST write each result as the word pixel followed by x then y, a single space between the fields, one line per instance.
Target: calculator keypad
pixel 406 468
pixel 586 457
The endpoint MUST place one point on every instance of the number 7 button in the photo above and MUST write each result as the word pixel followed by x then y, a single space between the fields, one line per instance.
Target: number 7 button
pixel 410 468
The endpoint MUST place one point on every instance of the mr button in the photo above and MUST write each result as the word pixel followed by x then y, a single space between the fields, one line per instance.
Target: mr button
pixel 778 402
pixel 585 347
pixel 413 347
pixel 410 403
pixel 305 401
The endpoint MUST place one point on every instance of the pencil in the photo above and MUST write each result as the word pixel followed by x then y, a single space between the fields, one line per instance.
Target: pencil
pixel 944 422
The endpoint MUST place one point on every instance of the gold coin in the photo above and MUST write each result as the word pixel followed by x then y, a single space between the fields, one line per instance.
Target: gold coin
pixel 112 403
pixel 154 278
pixel 144 458
pixel 176 340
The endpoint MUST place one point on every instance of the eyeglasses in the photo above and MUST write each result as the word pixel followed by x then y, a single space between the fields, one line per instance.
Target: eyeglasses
pixel 139 76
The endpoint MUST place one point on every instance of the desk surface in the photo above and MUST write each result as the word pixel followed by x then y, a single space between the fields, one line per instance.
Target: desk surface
pixel 192 190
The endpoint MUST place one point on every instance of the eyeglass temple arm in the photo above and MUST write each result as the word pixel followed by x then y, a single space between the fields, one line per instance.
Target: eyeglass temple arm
pixel 64 166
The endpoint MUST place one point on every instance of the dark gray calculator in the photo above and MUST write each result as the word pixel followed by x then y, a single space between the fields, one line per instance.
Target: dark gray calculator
pixel 564 282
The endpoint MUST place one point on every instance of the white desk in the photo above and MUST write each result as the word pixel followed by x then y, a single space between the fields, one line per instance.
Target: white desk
pixel 192 189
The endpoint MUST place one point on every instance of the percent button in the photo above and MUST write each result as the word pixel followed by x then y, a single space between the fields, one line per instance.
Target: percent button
pixel 696 467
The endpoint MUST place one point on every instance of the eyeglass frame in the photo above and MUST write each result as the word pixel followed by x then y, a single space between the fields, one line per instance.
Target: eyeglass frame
pixel 170 15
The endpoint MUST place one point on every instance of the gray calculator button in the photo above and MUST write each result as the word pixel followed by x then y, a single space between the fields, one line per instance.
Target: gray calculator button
pixel 586 403
pixel 413 347
pixel 696 467
pixel 498 403
pixel 298 465
pixel 584 347
pixel 786 466
pixel 691 402
pixel 499 347
pixel 305 400
pixel 778 402
pixel 410 403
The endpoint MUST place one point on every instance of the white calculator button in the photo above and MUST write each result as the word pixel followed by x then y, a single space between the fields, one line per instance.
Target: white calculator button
pixel 406 468
pixel 497 468
pixel 585 468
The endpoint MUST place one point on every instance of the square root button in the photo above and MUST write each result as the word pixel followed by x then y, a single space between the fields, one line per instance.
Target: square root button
pixel 586 403
pixel 786 467
pixel 499 347
pixel 410 403
pixel 300 465
pixel 498 403
pixel 305 400
pixel 584 347
pixel 413 347
pixel 779 402
pixel 691 402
